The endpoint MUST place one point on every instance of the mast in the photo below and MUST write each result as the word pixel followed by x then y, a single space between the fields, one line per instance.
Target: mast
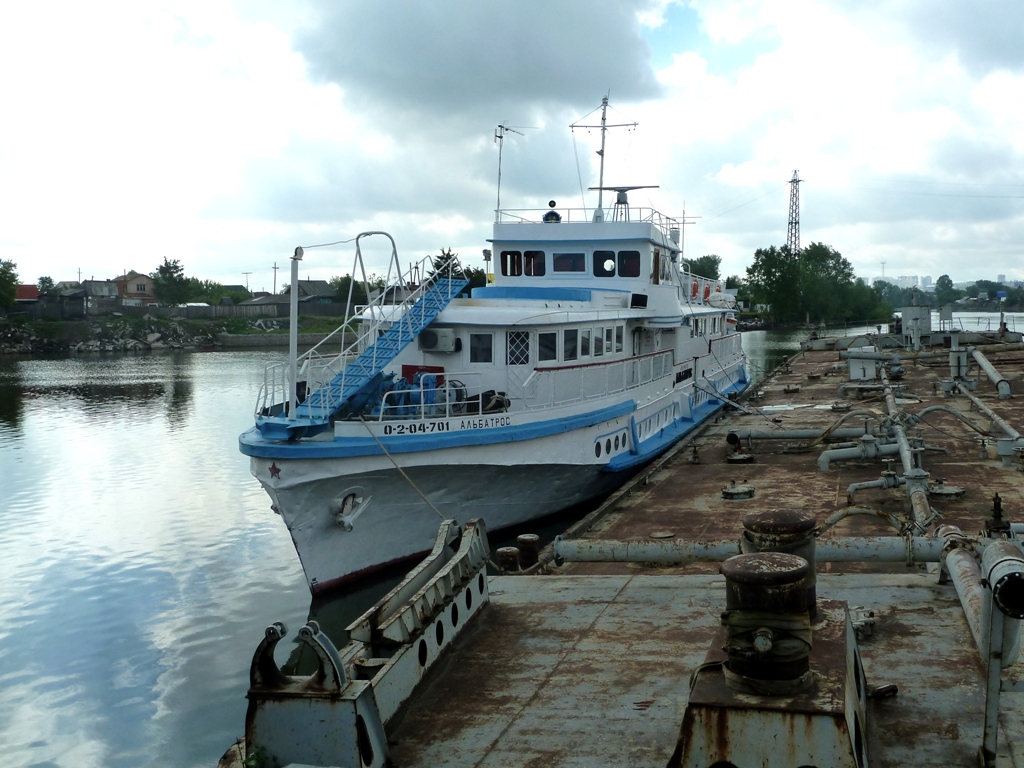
pixel 499 138
pixel 599 213
pixel 604 129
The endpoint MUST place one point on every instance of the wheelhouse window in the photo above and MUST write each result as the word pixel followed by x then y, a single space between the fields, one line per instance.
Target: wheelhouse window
pixel 547 346
pixel 533 263
pixel 629 263
pixel 481 348
pixel 517 350
pixel 608 339
pixel 585 343
pixel 604 263
pixel 570 344
pixel 619 330
pixel 511 263
pixel 569 262
pixel 598 342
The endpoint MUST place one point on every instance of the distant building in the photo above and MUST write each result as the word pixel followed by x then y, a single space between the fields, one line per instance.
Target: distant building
pixel 1000 278
pixel 26 294
pixel 926 281
pixel 136 290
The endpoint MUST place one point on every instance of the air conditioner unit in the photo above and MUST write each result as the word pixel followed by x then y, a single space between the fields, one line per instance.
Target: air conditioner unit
pixel 437 340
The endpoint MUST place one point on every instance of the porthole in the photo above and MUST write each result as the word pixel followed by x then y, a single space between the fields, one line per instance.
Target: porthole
pixel 480 583
pixel 597 449
pixel 469 599
pixel 455 616
pixel 616 442
pixel 439 632
pixel 423 653
pixel 608 445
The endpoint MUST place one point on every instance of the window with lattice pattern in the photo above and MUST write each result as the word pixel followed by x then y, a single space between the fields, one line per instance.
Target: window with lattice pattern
pixel 518 348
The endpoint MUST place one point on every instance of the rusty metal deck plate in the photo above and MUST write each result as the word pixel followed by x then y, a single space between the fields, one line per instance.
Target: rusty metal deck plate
pixel 595 671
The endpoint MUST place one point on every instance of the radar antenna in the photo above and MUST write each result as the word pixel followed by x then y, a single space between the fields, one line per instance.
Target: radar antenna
pixel 621 210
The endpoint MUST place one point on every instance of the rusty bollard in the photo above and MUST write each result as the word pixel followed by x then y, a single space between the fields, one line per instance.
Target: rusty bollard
pixel 529 549
pixel 508 558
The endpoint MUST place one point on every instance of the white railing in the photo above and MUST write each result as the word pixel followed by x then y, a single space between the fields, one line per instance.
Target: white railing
pixel 668 225
pixel 551 387
pixel 325 363
pixel 454 397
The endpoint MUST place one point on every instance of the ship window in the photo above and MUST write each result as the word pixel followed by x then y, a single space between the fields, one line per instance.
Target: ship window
pixel 533 263
pixel 517 351
pixel 547 346
pixel 618 338
pixel 511 263
pixel 629 263
pixel 604 263
pixel 481 348
pixel 570 262
pixel 570 340
pixel 608 339
pixel 598 342
pixel 585 343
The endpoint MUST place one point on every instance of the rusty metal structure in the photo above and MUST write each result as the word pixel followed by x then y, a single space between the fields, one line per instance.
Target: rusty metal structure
pixel 850 595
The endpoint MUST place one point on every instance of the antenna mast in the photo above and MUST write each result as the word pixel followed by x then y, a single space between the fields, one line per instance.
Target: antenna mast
pixel 599 213
pixel 793 235
pixel 499 137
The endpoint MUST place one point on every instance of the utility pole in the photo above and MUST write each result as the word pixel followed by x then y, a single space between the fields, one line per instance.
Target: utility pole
pixel 247 280
pixel 275 278
pixel 793 235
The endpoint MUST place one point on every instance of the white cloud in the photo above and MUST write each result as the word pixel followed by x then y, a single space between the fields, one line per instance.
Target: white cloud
pixel 225 134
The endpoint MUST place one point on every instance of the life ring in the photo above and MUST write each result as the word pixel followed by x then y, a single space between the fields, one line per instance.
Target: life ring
pixel 694 290
pixel 707 292
pixel 718 287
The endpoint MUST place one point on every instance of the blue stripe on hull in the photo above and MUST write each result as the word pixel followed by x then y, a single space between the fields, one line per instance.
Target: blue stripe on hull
pixel 668 436
pixel 251 443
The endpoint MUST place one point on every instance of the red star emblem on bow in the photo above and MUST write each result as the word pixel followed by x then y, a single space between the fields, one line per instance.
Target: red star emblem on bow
pixel 275 471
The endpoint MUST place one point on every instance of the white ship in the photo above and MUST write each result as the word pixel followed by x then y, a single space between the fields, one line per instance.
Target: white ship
pixel 593 351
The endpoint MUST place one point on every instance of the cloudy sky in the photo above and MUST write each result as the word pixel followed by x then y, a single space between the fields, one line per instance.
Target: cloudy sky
pixel 223 134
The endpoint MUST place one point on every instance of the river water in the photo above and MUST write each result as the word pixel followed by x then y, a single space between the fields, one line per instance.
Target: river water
pixel 139 559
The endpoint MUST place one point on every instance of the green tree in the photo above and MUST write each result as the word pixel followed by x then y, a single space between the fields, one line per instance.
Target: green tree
pixel 8 283
pixel 170 284
pixel 733 281
pixel 945 293
pixel 815 284
pixel 772 280
pixel 706 266
pixel 825 276
pixel 46 286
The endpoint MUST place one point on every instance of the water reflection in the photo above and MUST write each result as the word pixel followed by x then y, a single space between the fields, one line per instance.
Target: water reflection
pixel 12 395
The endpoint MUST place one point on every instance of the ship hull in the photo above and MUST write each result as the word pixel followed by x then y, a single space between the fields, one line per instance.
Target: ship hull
pixel 350 516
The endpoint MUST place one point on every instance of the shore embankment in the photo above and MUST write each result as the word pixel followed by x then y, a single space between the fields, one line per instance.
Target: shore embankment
pixel 116 334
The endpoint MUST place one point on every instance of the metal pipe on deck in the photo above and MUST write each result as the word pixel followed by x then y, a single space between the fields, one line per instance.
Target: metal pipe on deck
pixel 855 354
pixel 870 447
pixel 915 477
pixel 795 434
pixel 1002 385
pixel 997 581
pixel 891 549
pixel 995 417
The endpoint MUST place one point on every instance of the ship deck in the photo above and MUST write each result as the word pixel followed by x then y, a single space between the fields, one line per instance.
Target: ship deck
pixel 590 663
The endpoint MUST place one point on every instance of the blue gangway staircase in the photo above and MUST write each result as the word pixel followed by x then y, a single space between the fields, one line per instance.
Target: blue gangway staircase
pixel 363 373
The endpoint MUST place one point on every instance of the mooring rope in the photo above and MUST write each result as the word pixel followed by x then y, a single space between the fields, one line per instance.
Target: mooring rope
pixel 400 470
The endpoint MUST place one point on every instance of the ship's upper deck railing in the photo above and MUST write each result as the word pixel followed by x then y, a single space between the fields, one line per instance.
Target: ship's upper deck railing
pixel 669 226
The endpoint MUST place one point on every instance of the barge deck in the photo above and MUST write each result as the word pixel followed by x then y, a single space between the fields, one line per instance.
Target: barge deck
pixel 622 645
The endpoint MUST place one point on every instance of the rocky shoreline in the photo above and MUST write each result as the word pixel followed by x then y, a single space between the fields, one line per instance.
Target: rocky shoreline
pixel 151 335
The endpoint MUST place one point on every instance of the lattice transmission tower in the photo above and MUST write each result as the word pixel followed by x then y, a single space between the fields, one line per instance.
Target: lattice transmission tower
pixel 793 235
